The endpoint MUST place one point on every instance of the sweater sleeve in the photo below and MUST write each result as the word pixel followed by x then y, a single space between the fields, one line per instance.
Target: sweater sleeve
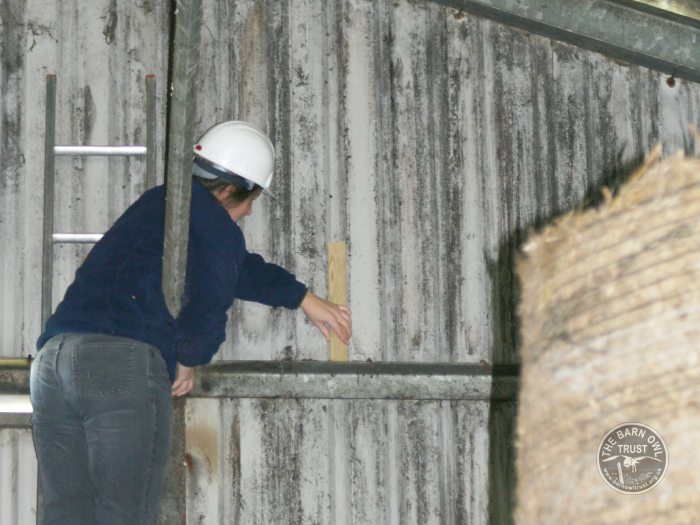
pixel 269 284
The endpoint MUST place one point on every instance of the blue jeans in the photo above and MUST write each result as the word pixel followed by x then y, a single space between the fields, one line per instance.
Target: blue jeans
pixel 102 427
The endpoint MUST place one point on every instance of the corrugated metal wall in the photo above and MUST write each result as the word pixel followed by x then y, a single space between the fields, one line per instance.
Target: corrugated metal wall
pixel 429 140
pixel 17 477
pixel 317 461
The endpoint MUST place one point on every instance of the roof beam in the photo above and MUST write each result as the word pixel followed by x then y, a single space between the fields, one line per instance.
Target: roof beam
pixel 622 29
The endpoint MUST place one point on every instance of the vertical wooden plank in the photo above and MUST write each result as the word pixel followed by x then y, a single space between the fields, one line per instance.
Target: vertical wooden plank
pixel 337 293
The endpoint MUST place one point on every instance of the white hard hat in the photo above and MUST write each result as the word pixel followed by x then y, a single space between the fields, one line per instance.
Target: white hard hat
pixel 236 152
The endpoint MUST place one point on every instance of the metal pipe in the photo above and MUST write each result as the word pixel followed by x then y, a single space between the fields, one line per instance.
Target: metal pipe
pixel 101 151
pixel 15 362
pixel 77 238
pixel 47 255
pixel 181 119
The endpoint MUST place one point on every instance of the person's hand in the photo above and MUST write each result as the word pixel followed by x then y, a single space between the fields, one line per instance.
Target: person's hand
pixel 328 316
pixel 184 380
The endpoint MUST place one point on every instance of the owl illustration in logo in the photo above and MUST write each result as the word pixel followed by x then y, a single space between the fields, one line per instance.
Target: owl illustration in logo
pixel 631 462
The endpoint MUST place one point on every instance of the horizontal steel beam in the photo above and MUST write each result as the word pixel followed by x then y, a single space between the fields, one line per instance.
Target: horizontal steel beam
pixel 15 421
pixel 622 29
pixel 14 375
pixel 101 151
pixel 333 380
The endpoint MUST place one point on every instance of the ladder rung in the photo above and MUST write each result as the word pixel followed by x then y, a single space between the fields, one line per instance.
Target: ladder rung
pixel 101 151
pixel 77 238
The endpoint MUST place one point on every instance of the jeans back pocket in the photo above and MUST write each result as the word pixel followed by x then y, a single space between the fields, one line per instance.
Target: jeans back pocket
pixel 103 368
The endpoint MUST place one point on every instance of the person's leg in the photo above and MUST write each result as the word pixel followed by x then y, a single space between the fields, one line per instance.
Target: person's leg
pixel 59 441
pixel 128 423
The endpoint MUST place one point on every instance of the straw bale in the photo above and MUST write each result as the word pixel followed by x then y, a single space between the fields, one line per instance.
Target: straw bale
pixel 610 318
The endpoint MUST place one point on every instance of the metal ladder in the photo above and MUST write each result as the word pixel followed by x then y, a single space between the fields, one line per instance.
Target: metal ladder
pixel 51 151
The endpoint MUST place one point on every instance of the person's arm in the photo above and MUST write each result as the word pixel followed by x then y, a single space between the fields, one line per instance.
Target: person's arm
pixel 184 380
pixel 328 316
pixel 269 284
pixel 324 314
pixel 272 285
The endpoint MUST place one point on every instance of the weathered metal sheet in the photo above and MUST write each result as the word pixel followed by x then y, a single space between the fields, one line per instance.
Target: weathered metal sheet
pixel 427 139
pixel 449 136
pixel 18 478
pixel 612 27
pixel 360 462
pixel 101 53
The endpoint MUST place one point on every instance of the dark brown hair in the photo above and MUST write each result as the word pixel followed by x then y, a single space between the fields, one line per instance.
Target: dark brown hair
pixel 236 197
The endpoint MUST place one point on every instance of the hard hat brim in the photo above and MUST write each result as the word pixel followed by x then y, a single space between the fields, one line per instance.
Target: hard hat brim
pixel 268 193
pixel 207 169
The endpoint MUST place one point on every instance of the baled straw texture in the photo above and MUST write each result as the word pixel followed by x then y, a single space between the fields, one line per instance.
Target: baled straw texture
pixel 611 334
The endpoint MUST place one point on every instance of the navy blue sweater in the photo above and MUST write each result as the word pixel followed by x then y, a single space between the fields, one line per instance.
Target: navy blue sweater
pixel 117 290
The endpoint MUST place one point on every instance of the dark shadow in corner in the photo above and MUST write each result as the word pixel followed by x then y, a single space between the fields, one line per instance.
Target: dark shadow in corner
pixel 505 299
